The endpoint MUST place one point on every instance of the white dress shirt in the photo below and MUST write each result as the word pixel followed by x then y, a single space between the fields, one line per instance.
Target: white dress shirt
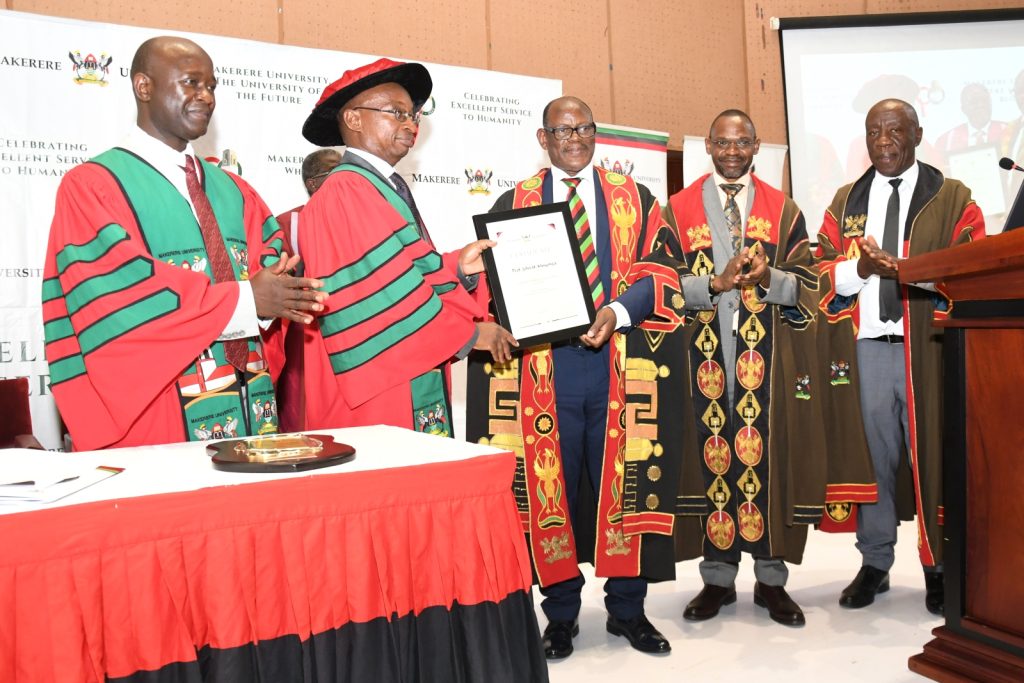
pixel 848 282
pixel 170 163
pixel 378 164
pixel 976 136
pixel 586 190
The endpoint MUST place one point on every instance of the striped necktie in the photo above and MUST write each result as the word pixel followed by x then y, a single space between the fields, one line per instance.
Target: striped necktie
pixel 732 214
pixel 236 351
pixel 586 240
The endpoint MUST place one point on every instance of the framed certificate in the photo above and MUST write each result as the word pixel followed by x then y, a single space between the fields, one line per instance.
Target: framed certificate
pixel 540 289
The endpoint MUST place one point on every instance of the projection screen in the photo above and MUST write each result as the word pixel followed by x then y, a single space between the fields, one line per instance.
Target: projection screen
pixel 962 71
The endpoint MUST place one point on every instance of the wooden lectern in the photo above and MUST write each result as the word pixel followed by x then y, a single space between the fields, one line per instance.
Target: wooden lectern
pixel 983 451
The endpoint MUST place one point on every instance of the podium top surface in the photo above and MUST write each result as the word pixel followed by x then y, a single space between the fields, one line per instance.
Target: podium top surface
pixel 991 268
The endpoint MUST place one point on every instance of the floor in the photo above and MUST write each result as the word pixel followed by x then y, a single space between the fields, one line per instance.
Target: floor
pixel 743 644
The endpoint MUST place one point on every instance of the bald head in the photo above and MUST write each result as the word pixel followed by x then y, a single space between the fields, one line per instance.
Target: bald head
pixel 568 115
pixel 736 114
pixel 560 102
pixel 893 104
pixel 161 48
pixel 892 134
pixel 173 83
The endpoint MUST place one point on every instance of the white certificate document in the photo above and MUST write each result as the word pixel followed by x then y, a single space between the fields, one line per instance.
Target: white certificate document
pixel 535 271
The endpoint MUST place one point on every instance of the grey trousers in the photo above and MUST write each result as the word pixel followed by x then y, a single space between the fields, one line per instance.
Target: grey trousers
pixel 883 402
pixel 770 572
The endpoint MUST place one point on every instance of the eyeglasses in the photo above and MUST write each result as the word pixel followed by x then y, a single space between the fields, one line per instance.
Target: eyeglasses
pixel 400 116
pixel 742 143
pixel 584 130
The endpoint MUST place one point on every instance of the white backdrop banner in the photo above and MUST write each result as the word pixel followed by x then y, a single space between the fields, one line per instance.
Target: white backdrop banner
pixel 635 152
pixel 69 98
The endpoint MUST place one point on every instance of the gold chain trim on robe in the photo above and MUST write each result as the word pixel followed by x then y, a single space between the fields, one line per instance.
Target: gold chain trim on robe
pixel 721 443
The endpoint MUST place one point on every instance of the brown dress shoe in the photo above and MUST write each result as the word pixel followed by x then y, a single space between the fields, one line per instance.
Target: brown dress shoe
pixel 868 583
pixel 781 608
pixel 709 601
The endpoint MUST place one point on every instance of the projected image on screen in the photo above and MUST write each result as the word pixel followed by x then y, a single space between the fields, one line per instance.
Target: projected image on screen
pixel 965 79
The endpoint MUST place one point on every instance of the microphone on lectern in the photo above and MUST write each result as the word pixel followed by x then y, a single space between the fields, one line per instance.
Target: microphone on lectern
pixel 1006 163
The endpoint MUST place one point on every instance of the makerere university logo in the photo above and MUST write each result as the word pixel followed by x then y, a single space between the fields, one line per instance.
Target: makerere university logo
pixel 90 69
pixel 479 180
pixel 616 166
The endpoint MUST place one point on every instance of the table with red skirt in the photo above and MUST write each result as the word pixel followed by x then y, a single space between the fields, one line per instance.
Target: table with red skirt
pixel 406 564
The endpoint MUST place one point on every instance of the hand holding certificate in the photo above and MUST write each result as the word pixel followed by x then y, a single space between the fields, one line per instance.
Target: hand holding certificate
pixel 536 273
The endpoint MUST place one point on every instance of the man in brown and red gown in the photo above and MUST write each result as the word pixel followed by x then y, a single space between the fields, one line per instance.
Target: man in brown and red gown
pixel 900 207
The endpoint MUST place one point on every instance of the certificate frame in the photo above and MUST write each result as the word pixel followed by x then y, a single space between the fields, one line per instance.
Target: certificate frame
pixel 536 266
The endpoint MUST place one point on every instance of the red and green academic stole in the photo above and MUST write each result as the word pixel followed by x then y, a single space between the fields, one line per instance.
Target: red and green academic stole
pixel 211 405
pixel 736 487
pixel 431 412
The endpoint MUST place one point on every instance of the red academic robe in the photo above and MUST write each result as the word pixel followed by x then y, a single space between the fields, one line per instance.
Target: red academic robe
pixel 345 226
pixel 122 392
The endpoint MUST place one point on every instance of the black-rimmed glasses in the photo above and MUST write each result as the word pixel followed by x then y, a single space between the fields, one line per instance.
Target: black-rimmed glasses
pixel 742 143
pixel 400 116
pixel 584 130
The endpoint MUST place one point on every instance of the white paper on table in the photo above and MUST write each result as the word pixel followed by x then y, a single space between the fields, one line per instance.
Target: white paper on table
pixel 29 476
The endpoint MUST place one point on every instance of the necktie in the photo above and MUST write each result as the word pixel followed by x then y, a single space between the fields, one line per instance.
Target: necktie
pixel 889 307
pixel 402 188
pixel 586 240
pixel 732 215
pixel 235 350
pixel 979 137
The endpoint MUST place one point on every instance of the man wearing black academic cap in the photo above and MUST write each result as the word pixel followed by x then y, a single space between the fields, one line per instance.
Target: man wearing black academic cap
pixel 397 311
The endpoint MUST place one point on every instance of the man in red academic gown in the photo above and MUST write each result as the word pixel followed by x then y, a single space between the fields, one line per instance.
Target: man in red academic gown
pixel 397 311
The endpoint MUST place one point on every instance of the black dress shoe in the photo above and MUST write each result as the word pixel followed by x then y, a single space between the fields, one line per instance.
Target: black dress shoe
pixel 558 638
pixel 709 601
pixel 640 633
pixel 781 607
pixel 935 592
pixel 868 583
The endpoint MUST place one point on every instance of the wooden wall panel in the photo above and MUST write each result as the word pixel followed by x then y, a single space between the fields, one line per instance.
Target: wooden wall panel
pixel 557 40
pixel 251 19
pixel 764 60
pixel 891 6
pixel 676 64
pixel 445 31
pixel 663 64
pixel 764 56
